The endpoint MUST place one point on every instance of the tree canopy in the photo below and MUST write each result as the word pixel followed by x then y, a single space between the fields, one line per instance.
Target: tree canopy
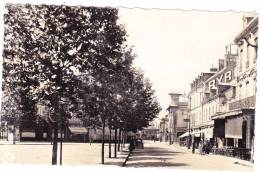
pixel 78 54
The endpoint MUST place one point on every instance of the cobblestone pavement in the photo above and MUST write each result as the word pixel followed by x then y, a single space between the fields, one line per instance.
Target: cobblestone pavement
pixel 73 153
pixel 172 156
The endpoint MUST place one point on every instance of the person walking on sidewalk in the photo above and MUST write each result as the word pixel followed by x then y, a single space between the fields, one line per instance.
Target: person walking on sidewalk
pixel 200 147
pixel 193 147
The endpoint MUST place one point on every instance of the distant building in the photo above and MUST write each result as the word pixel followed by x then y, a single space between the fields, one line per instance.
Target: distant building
pixel 178 111
pixel 150 133
pixel 196 116
pixel 163 129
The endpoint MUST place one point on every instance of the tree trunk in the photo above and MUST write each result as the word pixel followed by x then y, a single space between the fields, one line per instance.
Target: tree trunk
pixel 109 146
pixel 14 133
pixel 103 144
pixel 7 133
pixel 124 139
pixel 49 133
pixel 61 140
pixel 119 140
pixel 55 144
pixel 115 149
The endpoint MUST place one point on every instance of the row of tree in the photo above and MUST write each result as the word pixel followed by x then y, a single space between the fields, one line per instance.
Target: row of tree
pixel 77 54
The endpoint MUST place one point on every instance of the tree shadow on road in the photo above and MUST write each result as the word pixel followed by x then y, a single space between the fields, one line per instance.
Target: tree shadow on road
pixel 156 164
pixel 140 158
pixel 155 157
pixel 114 163
pixel 151 151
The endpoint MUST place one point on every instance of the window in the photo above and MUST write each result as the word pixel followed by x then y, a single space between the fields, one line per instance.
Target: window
pixel 241 59
pixel 234 92
pixel 248 55
pixel 247 89
pixel 255 49
pixel 240 91
pixel 254 85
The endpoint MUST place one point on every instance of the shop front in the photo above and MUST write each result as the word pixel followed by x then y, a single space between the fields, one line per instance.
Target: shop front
pixel 233 133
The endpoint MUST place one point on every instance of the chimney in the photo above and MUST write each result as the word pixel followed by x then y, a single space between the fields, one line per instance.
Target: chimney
pixel 231 55
pixel 220 64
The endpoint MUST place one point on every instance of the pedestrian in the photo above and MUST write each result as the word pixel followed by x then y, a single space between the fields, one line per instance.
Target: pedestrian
pixel 200 147
pixel 203 148
pixel 207 147
pixel 193 147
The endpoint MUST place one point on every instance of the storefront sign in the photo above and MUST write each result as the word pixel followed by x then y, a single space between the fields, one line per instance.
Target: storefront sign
pixel 243 103
pixel 224 77
pixel 246 75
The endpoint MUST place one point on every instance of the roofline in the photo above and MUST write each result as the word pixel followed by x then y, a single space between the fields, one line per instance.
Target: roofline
pixel 250 25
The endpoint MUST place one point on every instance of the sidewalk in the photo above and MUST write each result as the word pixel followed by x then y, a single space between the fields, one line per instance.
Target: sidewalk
pixel 73 153
pixel 236 160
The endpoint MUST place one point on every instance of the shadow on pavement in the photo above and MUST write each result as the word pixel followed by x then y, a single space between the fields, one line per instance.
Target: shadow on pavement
pixel 156 164
pixel 154 157
pixel 114 163
pixel 151 151
pixel 139 158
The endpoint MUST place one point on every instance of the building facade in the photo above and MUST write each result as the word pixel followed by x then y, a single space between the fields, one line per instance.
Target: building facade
pixel 163 129
pixel 198 120
pixel 178 111
pixel 238 120
pixel 222 101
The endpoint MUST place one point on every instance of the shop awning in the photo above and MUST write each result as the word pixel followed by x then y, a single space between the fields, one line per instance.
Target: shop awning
pixel 226 114
pixel 78 130
pixel 186 134
pixel 233 127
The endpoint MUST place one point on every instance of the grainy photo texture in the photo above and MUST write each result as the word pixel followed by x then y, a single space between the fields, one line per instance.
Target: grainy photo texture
pixel 85 85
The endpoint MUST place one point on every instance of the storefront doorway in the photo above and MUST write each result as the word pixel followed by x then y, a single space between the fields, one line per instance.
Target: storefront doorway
pixel 244 134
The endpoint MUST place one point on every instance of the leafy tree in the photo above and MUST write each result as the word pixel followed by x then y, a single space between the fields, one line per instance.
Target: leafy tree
pixel 77 54
pixel 58 43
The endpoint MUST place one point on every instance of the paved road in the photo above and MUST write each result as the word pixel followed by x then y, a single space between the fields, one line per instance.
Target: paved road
pixel 171 156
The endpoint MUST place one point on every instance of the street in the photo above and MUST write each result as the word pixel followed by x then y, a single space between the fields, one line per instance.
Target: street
pixel 171 156
pixel 154 154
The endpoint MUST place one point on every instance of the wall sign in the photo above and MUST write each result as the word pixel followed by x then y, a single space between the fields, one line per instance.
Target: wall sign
pixel 243 103
pixel 246 75
pixel 224 77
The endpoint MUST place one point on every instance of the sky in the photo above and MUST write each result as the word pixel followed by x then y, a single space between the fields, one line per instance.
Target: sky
pixel 173 47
